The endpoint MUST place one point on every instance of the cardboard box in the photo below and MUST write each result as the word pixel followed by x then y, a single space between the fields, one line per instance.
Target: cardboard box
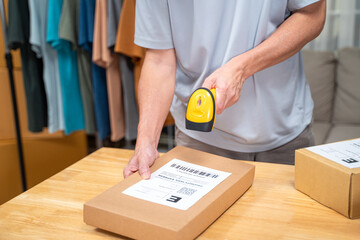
pixel 318 175
pixel 140 219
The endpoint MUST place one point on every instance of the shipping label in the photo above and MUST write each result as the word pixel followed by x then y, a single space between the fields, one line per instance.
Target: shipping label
pixel 346 153
pixel 177 184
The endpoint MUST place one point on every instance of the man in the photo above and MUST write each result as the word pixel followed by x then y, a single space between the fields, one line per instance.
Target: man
pixel 237 47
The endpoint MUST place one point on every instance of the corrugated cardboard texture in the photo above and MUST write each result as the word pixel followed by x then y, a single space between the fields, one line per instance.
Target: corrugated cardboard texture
pixel 139 219
pixel 327 182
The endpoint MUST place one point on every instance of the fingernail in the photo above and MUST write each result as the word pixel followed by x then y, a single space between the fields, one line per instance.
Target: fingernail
pixel 145 175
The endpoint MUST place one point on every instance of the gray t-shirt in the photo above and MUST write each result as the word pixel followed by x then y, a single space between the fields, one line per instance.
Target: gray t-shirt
pixel 113 17
pixel 126 70
pixel 38 21
pixel 275 104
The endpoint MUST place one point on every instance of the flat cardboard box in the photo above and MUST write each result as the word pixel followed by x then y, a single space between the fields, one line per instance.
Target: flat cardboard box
pixel 328 182
pixel 140 219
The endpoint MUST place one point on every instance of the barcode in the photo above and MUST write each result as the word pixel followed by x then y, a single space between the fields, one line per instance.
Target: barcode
pixel 187 191
pixel 193 171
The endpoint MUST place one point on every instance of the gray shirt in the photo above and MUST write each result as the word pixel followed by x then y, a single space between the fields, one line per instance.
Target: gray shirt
pixel 113 17
pixel 275 104
pixel 38 21
pixel 126 70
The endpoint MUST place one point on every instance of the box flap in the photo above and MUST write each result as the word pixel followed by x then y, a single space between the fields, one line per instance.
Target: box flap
pixel 328 162
pixel 355 196
pixel 125 215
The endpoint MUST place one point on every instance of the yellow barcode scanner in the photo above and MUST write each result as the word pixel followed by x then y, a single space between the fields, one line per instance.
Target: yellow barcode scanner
pixel 201 110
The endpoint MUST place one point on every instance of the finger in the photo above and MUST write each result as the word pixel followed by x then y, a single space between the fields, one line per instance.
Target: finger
pixel 144 170
pixel 129 169
pixel 208 83
pixel 127 172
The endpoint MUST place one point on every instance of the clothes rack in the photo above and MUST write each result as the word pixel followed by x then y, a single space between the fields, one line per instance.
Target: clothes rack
pixel 9 65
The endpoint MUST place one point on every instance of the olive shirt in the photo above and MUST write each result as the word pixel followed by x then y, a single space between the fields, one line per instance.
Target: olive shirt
pixel 32 67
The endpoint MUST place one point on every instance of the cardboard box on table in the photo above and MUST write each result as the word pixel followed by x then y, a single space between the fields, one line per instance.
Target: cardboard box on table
pixel 328 182
pixel 140 219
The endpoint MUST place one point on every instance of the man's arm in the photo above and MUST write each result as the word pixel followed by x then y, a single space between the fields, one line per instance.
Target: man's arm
pixel 300 28
pixel 156 91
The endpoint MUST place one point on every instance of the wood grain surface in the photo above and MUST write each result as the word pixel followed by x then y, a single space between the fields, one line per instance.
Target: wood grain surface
pixel 271 209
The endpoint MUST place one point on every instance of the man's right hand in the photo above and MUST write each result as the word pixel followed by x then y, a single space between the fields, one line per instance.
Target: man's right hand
pixel 141 161
pixel 155 92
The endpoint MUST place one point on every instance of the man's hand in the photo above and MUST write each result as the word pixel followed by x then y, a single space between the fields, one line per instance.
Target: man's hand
pixel 302 26
pixel 227 80
pixel 142 159
pixel 156 90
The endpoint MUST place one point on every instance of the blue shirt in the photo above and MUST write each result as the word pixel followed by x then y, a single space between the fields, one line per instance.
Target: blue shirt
pixel 68 70
pixel 86 31
pixel 86 24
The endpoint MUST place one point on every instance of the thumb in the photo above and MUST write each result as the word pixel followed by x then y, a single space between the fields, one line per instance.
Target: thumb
pixel 144 170
pixel 220 101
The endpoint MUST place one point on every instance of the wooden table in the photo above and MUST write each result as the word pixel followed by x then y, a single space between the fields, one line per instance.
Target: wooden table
pixel 270 209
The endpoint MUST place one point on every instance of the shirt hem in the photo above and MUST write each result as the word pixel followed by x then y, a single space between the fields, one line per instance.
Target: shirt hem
pixel 153 44
pixel 248 148
pixel 302 4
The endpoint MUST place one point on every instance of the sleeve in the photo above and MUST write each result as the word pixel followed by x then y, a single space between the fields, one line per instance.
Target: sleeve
pixel 16 29
pixel 298 4
pixel 152 24
pixel 35 23
pixel 67 24
pixel 114 10
pixel 100 55
pixel 53 19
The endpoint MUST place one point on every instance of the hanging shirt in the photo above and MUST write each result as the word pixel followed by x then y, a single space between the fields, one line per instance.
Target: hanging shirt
pixel 68 30
pixel 130 104
pixel 103 57
pixel 126 70
pixel 125 44
pixel 125 38
pixel 38 22
pixel 86 32
pixel 68 68
pixel 113 17
pixel 32 67
pixel 275 104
